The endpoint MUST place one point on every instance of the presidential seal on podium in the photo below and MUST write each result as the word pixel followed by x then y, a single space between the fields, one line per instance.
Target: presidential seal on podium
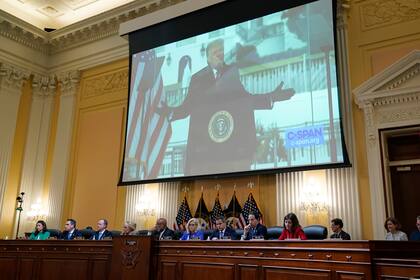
pixel 220 126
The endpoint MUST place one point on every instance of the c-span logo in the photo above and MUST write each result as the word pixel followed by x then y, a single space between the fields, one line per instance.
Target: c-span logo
pixel 221 126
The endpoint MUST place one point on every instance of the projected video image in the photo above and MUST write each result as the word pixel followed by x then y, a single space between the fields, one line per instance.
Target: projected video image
pixel 257 95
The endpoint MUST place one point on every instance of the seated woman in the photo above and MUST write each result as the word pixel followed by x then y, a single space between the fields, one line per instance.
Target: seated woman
pixel 41 232
pixel 192 232
pixel 292 229
pixel 129 228
pixel 393 227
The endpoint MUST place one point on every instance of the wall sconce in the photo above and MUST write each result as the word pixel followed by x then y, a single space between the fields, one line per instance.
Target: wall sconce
pixel 37 212
pixel 313 197
pixel 145 206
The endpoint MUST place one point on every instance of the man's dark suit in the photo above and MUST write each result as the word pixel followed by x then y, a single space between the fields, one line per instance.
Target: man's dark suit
pixel 75 234
pixel 342 235
pixel 228 233
pixel 106 234
pixel 167 234
pixel 222 124
pixel 260 230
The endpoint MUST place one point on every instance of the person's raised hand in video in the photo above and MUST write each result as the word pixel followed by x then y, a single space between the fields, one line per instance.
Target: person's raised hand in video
pixel 280 94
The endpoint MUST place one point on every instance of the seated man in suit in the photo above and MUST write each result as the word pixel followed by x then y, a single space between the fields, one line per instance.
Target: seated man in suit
pixel 102 232
pixel 254 230
pixel 222 231
pixel 337 228
pixel 70 232
pixel 415 235
pixel 161 230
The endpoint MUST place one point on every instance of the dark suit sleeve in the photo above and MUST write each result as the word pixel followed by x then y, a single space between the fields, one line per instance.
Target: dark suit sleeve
pixel 184 109
pixel 346 236
pixel 107 234
pixel 77 234
pixel 233 235
pixel 263 231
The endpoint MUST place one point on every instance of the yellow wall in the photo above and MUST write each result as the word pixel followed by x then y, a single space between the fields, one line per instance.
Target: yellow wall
pixel 380 32
pixel 98 138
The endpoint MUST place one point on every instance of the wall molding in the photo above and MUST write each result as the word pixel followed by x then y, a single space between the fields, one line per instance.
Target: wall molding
pixel 379 13
pixel 93 29
pixel 390 99
pixel 12 77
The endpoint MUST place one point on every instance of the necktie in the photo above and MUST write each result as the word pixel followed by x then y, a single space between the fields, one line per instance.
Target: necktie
pixel 69 235
pixel 217 75
pixel 100 235
pixel 220 234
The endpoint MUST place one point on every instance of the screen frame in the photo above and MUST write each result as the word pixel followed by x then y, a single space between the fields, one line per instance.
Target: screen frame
pixel 182 24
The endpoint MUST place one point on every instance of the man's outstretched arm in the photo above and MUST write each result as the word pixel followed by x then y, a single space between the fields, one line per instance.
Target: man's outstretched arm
pixel 266 101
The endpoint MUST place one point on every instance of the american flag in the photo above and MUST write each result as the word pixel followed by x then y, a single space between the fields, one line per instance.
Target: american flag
pixel 216 212
pixel 250 206
pixel 202 212
pixel 234 209
pixel 183 216
pixel 148 132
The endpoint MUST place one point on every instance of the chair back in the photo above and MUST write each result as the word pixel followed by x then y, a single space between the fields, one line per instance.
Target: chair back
pixel 316 232
pixel 87 233
pixel 274 232
pixel 55 233
pixel 115 233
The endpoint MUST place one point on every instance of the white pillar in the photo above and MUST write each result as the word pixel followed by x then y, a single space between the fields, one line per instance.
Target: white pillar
pixel 11 80
pixel 36 146
pixel 69 83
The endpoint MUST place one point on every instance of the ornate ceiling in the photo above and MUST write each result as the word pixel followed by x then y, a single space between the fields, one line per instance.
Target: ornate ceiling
pixel 57 14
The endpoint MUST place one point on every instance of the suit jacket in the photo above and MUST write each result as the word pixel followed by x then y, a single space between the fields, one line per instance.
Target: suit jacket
pixel 222 124
pixel 106 233
pixel 167 233
pixel 228 232
pixel 260 230
pixel 341 235
pixel 65 235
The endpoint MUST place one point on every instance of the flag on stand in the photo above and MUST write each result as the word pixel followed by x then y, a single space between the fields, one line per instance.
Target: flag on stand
pixel 202 213
pixel 250 206
pixel 183 216
pixel 234 209
pixel 148 132
pixel 216 212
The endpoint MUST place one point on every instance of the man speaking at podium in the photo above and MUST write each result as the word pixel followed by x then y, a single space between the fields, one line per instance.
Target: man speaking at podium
pixel 222 135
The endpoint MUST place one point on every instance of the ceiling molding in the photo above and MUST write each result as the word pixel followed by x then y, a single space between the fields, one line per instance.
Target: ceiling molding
pixel 87 31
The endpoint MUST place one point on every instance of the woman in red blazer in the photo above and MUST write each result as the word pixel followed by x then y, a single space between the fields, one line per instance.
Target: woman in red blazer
pixel 292 229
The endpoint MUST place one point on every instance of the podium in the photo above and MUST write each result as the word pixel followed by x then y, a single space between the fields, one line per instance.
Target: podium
pixel 130 257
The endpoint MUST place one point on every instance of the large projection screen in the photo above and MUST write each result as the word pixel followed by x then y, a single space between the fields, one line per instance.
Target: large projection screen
pixel 234 89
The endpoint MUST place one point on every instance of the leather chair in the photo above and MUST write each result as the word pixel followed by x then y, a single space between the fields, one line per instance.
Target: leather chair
pixel 316 232
pixel 239 232
pixel 87 233
pixel 143 232
pixel 273 233
pixel 115 233
pixel 207 233
pixel 54 233
pixel 177 234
